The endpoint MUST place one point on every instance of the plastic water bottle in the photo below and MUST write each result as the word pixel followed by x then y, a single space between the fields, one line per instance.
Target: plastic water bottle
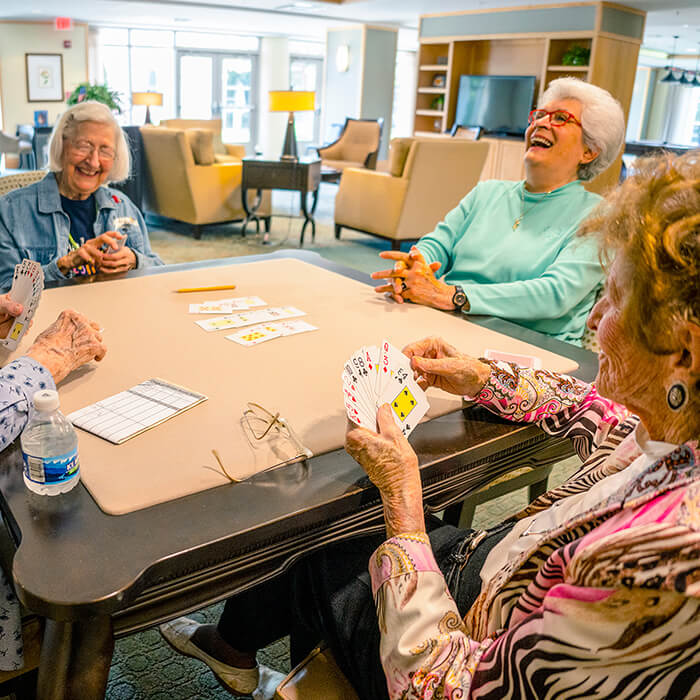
pixel 49 448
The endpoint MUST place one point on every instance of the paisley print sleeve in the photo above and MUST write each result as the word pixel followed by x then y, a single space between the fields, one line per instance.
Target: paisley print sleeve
pixel 560 404
pixel 425 650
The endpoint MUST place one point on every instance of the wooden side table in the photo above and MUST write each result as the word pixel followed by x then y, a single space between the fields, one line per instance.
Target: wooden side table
pixel 303 175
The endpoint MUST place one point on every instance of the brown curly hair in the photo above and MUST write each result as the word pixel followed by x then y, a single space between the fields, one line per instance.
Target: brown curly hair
pixel 653 220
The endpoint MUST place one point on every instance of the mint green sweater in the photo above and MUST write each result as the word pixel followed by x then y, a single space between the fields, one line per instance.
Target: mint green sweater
pixel 540 275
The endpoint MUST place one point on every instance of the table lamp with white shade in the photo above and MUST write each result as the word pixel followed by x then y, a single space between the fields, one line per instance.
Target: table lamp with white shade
pixel 150 99
pixel 291 101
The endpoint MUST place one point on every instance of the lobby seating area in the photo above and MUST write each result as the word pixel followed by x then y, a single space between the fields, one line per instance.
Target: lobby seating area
pixel 188 180
pixel 425 178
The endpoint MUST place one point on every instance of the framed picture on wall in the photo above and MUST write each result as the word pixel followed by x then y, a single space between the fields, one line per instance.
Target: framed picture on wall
pixel 44 77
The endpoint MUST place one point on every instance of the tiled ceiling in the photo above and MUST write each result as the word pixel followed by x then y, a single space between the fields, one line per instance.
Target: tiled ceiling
pixel 311 18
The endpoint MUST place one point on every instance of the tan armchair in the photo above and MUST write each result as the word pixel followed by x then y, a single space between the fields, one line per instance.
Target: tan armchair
pixel 223 152
pixel 426 179
pixel 356 147
pixel 187 183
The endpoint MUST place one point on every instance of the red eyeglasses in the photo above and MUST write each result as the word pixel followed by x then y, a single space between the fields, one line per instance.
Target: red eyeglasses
pixel 557 118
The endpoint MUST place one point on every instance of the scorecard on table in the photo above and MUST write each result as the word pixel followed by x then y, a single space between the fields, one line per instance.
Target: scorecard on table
pixel 129 413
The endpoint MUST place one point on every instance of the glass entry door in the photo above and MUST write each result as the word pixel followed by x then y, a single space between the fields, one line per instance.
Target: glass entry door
pixel 213 85
pixel 306 73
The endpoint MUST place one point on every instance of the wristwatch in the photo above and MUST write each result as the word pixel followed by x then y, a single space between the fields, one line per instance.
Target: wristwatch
pixel 459 299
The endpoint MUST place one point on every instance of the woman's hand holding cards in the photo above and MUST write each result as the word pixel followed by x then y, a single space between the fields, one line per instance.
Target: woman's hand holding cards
pixel 117 257
pixel 436 363
pixel 9 310
pixel 392 466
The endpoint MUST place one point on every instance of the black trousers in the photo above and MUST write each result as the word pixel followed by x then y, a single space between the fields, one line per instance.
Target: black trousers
pixel 328 596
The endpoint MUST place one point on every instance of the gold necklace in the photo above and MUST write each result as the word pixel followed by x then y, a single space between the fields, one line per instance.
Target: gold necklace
pixel 524 211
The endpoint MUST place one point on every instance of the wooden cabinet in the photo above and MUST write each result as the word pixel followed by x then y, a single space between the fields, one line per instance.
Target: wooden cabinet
pixel 528 40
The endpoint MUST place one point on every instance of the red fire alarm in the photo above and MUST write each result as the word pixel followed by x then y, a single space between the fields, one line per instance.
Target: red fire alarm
pixel 63 24
pixel 67 44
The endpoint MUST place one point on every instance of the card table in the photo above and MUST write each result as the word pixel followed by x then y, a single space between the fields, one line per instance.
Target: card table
pixel 152 533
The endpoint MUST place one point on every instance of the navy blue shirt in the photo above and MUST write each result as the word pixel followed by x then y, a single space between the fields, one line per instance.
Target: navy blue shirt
pixel 82 214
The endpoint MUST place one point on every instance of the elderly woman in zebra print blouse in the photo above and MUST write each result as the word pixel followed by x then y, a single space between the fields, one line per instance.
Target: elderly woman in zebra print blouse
pixel 592 591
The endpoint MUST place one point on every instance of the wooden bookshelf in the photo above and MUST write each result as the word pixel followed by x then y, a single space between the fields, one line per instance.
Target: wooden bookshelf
pixel 475 43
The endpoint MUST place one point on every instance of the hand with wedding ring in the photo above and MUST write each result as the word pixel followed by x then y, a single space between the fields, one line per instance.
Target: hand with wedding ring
pixel 413 279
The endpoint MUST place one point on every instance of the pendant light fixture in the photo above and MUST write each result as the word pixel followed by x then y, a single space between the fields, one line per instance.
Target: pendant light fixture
pixel 696 79
pixel 669 77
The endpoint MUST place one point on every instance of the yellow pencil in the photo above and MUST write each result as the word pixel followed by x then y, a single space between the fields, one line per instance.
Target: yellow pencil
pixel 207 289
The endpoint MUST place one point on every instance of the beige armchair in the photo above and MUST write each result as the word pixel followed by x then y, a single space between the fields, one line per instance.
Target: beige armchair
pixel 223 152
pixel 187 183
pixel 356 147
pixel 426 179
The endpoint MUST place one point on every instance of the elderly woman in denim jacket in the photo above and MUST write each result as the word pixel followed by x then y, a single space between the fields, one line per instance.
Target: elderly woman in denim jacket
pixel 68 220
pixel 593 590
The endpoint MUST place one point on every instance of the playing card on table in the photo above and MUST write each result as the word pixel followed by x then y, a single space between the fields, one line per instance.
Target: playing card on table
pixel 248 318
pixel 521 360
pixel 374 376
pixel 226 306
pixel 253 335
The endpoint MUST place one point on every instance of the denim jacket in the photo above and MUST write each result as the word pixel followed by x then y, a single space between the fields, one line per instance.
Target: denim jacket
pixel 33 225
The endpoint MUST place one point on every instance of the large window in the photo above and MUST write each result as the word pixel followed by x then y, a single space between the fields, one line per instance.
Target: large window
pixel 196 73
pixel 307 74
pixel 219 85
pixel 404 94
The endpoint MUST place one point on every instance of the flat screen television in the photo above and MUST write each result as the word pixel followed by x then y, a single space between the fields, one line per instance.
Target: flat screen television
pixel 499 104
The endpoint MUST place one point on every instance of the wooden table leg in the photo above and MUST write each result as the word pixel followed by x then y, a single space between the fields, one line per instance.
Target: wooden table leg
pixel 250 212
pixel 308 215
pixel 75 660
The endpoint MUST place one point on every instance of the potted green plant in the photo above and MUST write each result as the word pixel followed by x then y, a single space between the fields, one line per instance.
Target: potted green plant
pixel 98 93
pixel 576 56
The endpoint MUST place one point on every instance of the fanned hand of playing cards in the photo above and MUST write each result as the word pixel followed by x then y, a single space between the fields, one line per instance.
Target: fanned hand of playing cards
pixel 27 285
pixel 374 376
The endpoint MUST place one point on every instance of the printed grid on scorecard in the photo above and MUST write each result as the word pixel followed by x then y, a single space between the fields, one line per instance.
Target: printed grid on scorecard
pixel 121 417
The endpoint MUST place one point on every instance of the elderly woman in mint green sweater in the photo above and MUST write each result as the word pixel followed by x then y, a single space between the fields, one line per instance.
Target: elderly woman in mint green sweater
pixel 509 248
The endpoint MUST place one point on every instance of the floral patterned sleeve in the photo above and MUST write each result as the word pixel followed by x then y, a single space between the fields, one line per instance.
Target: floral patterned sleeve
pixel 19 380
pixel 561 405
pixel 424 644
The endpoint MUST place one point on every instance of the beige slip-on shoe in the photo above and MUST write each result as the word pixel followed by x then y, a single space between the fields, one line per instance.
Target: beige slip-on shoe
pixel 178 633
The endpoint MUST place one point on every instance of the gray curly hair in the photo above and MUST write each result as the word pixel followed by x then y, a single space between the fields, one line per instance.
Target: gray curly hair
pixel 601 116
pixel 66 127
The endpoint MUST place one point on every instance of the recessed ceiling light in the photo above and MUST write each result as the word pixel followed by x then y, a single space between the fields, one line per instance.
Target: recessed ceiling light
pixel 36 12
pixel 182 19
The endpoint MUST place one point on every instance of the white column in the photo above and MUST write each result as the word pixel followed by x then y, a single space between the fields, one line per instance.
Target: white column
pixel 273 72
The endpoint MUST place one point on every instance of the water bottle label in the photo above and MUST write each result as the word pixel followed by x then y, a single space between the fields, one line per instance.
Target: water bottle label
pixel 51 470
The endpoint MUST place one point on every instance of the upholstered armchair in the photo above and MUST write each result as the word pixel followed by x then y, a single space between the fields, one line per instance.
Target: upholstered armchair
pixel 188 183
pixel 356 147
pixel 426 178
pixel 223 152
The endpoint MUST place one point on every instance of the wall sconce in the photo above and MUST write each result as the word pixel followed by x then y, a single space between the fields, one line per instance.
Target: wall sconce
pixel 342 58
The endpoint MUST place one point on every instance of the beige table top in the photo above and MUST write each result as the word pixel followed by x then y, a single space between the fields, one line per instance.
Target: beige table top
pixel 149 333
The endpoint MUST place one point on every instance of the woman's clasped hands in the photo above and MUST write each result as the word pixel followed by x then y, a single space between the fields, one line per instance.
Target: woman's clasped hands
pixel 413 279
